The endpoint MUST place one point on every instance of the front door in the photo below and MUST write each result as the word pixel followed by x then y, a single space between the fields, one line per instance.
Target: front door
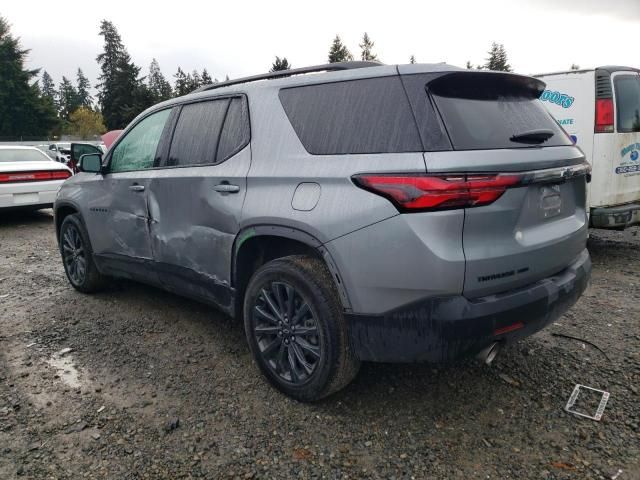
pixel 118 213
pixel 195 202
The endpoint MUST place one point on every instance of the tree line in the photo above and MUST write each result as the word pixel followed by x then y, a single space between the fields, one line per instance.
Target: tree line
pixel 32 107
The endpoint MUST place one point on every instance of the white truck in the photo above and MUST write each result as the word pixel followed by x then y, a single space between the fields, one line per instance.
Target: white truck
pixel 600 109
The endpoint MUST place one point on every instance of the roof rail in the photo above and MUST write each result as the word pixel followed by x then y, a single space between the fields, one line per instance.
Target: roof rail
pixel 328 67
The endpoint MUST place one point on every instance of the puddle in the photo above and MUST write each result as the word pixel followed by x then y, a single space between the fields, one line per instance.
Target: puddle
pixel 63 362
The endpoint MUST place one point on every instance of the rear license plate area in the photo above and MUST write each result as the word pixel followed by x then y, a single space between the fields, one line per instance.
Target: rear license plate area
pixel 550 201
pixel 25 198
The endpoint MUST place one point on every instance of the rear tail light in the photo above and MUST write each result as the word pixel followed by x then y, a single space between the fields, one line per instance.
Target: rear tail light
pixel 438 192
pixel 35 176
pixel 604 115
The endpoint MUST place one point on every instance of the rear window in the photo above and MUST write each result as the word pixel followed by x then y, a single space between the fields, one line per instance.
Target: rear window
pixel 21 155
pixel 628 102
pixel 356 116
pixel 486 111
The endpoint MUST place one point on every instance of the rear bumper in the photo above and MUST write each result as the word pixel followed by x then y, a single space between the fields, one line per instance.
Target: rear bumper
pixel 621 216
pixel 29 195
pixel 446 328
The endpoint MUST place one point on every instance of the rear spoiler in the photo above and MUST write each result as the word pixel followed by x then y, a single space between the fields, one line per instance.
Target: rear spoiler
pixel 488 85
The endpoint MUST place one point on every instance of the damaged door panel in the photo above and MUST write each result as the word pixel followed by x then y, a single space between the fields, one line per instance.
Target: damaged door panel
pixel 118 214
pixel 196 201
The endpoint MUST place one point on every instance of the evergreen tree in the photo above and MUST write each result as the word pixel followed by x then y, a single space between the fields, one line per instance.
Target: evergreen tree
pixel 49 92
pixel 412 59
pixel 366 48
pixel 498 58
pixel 469 66
pixel 131 94
pixel 206 78
pixel 82 86
pixel 182 83
pixel 68 99
pixel 122 95
pixel 24 110
pixel 195 81
pixel 280 64
pixel 338 52
pixel 159 87
pixel 48 87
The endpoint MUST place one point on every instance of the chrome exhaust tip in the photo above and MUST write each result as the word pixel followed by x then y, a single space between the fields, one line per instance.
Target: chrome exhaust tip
pixel 489 353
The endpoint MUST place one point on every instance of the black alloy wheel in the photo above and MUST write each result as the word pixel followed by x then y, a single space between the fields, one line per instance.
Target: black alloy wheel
pixel 286 332
pixel 74 255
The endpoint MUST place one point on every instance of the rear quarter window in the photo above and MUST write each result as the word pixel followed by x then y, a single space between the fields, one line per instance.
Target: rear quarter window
pixel 357 116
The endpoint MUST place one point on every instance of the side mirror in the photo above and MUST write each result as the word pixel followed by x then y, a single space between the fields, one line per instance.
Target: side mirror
pixel 91 163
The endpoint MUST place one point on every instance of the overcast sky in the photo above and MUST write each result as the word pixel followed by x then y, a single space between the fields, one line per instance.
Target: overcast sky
pixel 242 37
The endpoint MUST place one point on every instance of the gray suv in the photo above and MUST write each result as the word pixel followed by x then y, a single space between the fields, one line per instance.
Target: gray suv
pixel 364 212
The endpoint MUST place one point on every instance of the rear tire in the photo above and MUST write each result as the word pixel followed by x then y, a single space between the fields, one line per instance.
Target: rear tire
pixel 77 256
pixel 296 329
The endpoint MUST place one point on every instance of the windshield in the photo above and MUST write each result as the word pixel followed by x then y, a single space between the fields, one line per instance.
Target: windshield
pixel 21 155
pixel 628 102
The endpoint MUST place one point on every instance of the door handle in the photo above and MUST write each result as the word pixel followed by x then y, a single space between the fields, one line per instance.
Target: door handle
pixel 226 188
pixel 137 188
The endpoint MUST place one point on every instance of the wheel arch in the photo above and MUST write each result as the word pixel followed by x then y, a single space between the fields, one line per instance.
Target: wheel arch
pixel 60 212
pixel 258 244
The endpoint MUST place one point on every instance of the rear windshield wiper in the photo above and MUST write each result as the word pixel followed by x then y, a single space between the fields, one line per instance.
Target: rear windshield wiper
pixel 533 136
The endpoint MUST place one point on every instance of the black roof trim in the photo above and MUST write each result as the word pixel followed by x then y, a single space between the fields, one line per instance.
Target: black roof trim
pixel 617 68
pixel 328 67
pixel 606 68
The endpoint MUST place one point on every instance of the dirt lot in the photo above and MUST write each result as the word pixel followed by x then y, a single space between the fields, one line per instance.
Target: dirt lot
pixel 156 386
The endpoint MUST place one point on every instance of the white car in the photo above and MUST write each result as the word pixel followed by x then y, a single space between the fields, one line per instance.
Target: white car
pixel 60 152
pixel 29 178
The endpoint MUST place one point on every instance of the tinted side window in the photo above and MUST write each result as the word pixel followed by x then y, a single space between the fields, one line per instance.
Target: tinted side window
pixel 356 116
pixel 235 134
pixel 628 102
pixel 137 150
pixel 195 138
pixel 432 131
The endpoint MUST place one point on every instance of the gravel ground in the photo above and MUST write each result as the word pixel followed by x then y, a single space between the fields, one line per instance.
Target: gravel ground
pixel 156 386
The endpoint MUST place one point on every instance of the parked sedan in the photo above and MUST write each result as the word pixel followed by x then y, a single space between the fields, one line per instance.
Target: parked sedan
pixel 29 178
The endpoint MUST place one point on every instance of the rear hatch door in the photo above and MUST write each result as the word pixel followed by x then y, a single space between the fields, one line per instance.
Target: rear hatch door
pixel 537 227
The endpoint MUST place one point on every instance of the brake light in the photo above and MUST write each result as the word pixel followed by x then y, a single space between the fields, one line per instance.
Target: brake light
pixel 604 115
pixel 438 192
pixel 35 176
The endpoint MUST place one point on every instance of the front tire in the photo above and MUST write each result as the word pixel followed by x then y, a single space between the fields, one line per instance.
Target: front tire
pixel 77 256
pixel 296 328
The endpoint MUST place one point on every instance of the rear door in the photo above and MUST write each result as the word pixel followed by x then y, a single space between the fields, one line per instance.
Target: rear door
pixel 195 201
pixel 624 144
pixel 497 126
